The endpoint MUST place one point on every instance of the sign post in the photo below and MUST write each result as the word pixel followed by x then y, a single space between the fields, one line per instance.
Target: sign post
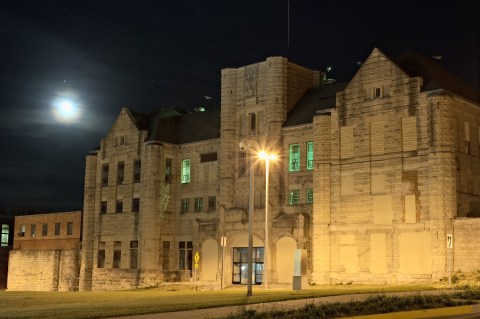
pixel 223 243
pixel 196 258
pixel 449 250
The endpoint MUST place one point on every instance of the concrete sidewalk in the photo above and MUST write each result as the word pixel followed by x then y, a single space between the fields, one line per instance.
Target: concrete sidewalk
pixel 284 305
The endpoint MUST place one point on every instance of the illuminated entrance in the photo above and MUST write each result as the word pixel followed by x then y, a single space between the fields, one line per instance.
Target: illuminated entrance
pixel 240 265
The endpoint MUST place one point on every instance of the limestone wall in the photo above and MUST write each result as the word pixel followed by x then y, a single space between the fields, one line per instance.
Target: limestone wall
pixel 43 270
pixel 465 245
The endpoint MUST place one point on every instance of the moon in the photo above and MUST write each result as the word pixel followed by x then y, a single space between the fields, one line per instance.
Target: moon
pixel 65 111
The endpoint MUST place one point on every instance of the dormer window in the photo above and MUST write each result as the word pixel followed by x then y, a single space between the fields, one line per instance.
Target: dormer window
pixel 376 92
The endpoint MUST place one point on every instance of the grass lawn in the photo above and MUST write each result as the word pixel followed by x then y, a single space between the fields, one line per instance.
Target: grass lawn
pixel 106 304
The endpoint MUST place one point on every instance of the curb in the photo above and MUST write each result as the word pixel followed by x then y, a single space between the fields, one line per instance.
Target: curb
pixel 427 313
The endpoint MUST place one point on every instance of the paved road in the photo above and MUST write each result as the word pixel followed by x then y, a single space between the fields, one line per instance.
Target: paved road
pixel 295 304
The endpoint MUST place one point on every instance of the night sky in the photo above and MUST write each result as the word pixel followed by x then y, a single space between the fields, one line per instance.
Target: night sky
pixel 104 55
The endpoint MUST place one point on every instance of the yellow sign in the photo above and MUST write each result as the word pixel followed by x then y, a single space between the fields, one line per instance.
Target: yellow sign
pixel 196 265
pixel 197 257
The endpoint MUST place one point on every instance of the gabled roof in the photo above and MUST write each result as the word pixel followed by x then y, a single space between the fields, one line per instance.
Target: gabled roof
pixel 314 100
pixel 434 75
pixel 178 126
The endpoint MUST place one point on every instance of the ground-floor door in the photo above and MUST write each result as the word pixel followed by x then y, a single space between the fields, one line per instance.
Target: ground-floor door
pixel 240 265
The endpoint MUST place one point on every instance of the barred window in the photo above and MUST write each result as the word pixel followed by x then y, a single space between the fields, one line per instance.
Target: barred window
pixel 198 204
pixel 185 171
pixel 185 204
pixel 294 158
pixel 309 156
pixel 212 203
pixel 5 234
pixel 57 229
pixel 21 233
pixel 33 230
pixel 44 229
pixel 309 195
pixel 294 197
pixel 69 228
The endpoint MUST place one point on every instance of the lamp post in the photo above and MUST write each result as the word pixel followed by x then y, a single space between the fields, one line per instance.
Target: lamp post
pixel 266 157
pixel 246 146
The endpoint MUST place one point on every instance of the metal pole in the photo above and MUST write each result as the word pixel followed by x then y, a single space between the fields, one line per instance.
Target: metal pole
pixel 266 250
pixel 224 243
pixel 250 225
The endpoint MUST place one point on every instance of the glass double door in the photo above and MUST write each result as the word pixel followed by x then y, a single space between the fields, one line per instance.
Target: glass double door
pixel 240 265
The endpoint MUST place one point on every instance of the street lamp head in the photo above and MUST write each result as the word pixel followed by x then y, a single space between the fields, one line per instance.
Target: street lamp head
pixel 267 156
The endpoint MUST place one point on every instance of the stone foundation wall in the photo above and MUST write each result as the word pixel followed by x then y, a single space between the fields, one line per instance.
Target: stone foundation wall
pixel 43 270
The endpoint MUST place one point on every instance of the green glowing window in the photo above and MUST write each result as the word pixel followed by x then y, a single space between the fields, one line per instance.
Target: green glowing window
pixel 185 171
pixel 309 195
pixel 309 156
pixel 294 197
pixel 294 158
pixel 5 233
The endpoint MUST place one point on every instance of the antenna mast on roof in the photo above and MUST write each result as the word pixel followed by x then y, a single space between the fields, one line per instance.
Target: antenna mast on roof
pixel 288 23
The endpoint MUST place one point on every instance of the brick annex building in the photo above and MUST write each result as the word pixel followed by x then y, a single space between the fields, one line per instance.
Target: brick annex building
pixel 373 175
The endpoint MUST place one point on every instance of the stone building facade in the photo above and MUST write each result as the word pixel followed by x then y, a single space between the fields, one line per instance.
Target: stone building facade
pixel 372 178
pixel 373 175
pixel 46 252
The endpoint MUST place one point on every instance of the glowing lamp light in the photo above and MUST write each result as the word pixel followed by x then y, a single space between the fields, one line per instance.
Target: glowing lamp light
pixel 264 155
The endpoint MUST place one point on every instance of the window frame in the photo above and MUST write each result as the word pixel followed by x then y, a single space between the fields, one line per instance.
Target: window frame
pixel 137 171
pixel 69 228
pixel 294 157
pixel 198 204
pixel 185 205
pixel 135 205
pixel 4 236
pixel 309 195
pixel 133 254
pixel 44 229
pixel 105 173
pixel 309 155
pixel 101 256
pixel 119 206
pixel 120 172
pixel 293 197
pixel 117 255
pixel 185 255
pixel 186 171
pixel 212 203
